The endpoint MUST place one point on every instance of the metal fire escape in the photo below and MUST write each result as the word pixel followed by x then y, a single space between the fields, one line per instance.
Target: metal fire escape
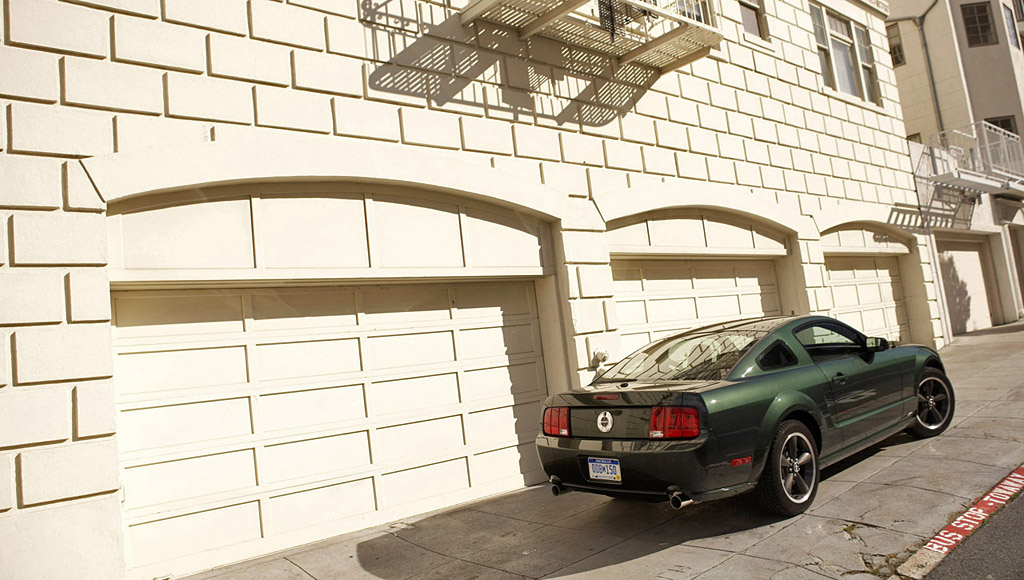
pixel 662 34
pixel 965 163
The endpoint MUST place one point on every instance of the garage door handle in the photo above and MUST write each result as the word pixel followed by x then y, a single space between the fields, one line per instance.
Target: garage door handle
pixel 839 379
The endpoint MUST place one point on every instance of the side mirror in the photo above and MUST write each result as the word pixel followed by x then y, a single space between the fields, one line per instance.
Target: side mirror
pixel 877 344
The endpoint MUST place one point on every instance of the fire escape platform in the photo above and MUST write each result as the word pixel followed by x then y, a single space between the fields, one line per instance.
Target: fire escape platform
pixel 661 37
pixel 964 179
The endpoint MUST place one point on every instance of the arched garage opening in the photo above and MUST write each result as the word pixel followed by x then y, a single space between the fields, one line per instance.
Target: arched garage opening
pixel 298 359
pixel 679 268
pixel 874 281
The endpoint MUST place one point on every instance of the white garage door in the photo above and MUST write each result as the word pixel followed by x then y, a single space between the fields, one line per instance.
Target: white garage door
pixel 253 420
pixel 867 294
pixel 656 298
pixel 965 275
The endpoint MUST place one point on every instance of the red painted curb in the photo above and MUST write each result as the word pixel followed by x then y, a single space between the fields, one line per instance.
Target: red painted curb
pixel 990 503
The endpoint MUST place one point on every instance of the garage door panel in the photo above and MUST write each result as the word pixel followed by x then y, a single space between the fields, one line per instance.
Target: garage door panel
pixel 172 481
pixel 307 359
pixel 634 340
pixel 405 305
pixel 510 462
pixel 207 530
pixel 421 439
pixel 419 483
pixel 503 426
pixel 632 312
pixel 514 379
pixel 675 295
pixel 867 294
pixel 308 408
pixel 498 341
pixel 145 372
pixel 300 310
pixel 405 350
pixel 757 304
pixel 663 277
pixel 713 277
pixel 322 505
pixel 626 280
pixel 302 459
pixel 493 301
pixel 674 309
pixel 718 306
pixel 358 395
pixel 154 316
pixel 404 395
pixel 180 424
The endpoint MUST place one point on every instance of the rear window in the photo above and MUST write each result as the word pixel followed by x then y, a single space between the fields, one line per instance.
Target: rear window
pixel 689 357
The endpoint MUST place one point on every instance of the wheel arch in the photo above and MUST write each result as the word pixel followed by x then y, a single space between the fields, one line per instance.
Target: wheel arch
pixel 790 405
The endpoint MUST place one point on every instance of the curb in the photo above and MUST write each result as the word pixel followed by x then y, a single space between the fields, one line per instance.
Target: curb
pixel 937 548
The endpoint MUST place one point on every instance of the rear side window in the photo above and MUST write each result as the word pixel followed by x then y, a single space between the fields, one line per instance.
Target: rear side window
pixel 778 356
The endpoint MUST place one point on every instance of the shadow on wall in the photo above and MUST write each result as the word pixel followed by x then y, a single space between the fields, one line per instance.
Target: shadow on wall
pixel 957 300
pixel 561 84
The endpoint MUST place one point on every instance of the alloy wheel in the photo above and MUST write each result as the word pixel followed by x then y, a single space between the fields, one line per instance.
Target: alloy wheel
pixel 797 466
pixel 932 403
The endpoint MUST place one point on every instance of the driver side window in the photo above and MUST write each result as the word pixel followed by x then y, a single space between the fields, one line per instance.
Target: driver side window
pixel 825 341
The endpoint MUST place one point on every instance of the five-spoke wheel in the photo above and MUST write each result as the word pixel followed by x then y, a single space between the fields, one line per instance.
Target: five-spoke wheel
pixel 790 478
pixel 935 404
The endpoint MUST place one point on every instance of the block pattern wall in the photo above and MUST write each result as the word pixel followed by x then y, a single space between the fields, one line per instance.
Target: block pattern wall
pixel 84 78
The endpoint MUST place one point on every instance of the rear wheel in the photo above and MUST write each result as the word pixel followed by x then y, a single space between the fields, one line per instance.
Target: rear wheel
pixel 789 481
pixel 935 404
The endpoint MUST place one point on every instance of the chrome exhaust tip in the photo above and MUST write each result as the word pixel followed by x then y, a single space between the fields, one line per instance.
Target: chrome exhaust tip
pixel 678 501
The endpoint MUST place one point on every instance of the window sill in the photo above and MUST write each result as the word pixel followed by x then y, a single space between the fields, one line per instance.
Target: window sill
pixel 757 43
pixel 852 100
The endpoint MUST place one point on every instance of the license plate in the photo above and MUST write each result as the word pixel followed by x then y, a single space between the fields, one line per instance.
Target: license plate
pixel 604 469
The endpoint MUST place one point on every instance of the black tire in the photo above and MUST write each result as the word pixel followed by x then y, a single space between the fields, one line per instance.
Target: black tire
pixel 935 404
pixel 789 480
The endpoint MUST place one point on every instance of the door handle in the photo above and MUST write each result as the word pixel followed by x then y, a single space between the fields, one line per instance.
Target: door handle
pixel 839 379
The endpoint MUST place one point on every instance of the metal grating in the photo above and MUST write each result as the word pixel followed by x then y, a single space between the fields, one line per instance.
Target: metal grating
pixel 663 35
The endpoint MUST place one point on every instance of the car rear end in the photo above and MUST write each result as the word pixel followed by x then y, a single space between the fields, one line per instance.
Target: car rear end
pixel 632 442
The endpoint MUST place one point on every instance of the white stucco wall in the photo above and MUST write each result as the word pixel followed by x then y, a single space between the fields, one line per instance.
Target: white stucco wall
pixel 166 97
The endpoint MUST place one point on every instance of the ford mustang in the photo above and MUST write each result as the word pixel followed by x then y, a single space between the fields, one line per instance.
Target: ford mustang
pixel 748 406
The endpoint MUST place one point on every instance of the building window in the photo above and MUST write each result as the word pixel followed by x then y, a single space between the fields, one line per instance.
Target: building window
pixel 895 45
pixel 752 15
pixel 1011 26
pixel 978 24
pixel 844 50
pixel 1004 123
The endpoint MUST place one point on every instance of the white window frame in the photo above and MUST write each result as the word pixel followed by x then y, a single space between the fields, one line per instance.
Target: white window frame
pixel 857 39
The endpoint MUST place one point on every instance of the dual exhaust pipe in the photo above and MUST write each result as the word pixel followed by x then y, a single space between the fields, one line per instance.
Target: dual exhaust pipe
pixel 676 499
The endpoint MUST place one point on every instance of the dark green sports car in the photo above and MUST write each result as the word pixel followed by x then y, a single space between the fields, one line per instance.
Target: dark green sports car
pixel 754 405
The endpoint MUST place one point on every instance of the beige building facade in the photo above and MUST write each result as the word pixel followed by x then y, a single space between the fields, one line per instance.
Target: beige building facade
pixel 960 70
pixel 275 271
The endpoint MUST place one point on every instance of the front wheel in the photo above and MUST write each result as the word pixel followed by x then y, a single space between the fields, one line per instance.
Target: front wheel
pixel 789 481
pixel 935 404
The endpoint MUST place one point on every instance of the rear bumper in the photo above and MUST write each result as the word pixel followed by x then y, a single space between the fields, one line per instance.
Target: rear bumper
pixel 650 469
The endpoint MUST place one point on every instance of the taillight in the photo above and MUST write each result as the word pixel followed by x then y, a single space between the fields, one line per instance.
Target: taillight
pixel 556 421
pixel 674 423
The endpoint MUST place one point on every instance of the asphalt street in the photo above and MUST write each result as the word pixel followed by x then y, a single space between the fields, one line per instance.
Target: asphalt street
pixel 994 552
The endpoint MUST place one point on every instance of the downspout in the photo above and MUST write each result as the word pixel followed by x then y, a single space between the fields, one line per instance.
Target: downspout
pixel 947 329
pixel 919 22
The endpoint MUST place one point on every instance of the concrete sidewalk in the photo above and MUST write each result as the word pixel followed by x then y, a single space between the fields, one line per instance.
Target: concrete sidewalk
pixel 871 513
